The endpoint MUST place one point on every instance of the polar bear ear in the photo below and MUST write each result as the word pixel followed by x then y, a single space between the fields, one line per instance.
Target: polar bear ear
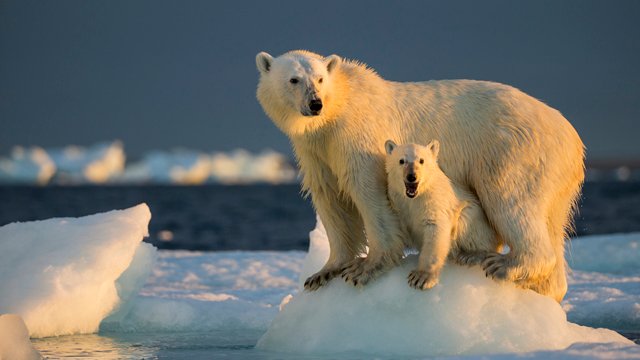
pixel 263 62
pixel 332 61
pixel 434 147
pixel 389 146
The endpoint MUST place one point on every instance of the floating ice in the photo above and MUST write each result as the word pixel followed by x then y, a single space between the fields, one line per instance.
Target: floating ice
pixel 465 314
pixel 240 166
pixel 94 164
pixel 14 339
pixel 187 167
pixel 27 165
pixel 63 276
pixel 179 166
pixel 235 292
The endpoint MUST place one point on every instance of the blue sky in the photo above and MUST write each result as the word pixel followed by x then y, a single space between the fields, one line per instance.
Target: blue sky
pixel 164 74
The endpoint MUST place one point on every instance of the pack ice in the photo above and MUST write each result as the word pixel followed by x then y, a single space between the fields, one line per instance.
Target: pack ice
pixel 465 314
pixel 64 275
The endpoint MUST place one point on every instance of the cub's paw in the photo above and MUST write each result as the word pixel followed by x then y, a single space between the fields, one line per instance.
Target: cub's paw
pixel 320 279
pixel 470 258
pixel 360 271
pixel 497 266
pixel 422 280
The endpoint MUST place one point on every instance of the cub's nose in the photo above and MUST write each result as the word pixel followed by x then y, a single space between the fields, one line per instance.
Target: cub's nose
pixel 411 178
pixel 315 105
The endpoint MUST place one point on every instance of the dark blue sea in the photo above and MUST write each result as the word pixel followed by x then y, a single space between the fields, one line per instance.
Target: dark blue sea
pixel 257 217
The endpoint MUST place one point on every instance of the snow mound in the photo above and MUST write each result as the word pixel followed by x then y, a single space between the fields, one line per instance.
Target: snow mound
pixel 63 276
pixel 465 314
pixel 27 165
pixel 95 164
pixel 14 339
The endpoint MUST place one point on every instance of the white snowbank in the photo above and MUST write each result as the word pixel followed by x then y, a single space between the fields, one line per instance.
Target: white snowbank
pixel 95 164
pixel 27 166
pixel 465 314
pixel 14 339
pixel 63 276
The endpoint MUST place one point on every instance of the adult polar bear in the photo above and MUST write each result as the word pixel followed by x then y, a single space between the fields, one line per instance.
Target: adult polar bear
pixel 522 158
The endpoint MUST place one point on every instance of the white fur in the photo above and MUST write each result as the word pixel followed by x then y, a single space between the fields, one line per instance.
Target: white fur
pixel 523 159
pixel 442 219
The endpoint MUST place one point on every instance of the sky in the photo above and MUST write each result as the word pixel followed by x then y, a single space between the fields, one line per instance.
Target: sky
pixel 167 74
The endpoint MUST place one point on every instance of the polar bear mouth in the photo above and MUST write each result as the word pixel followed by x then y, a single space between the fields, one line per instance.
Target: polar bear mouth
pixel 411 189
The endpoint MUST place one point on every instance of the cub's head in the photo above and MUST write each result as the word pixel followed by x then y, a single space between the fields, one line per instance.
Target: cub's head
pixel 409 166
pixel 294 88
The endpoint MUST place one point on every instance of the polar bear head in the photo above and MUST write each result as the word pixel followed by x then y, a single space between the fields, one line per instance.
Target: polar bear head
pixel 410 166
pixel 294 88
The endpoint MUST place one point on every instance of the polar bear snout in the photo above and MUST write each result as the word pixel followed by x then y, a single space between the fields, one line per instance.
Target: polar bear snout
pixel 315 106
pixel 411 178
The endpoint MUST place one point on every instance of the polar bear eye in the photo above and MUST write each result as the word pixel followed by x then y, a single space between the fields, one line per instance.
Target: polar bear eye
pixel 401 161
pixel 421 161
pixel 293 81
pixel 320 81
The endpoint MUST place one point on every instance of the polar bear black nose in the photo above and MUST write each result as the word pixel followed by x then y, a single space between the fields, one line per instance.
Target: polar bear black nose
pixel 315 105
pixel 411 178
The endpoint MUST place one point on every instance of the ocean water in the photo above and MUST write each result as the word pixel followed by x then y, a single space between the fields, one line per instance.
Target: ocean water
pixel 257 217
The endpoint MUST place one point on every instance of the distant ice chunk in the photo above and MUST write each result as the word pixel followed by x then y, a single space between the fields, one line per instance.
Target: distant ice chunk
pixel 64 275
pixel 14 339
pixel 465 314
pixel 27 166
pixel 180 166
pixel 240 166
pixel 95 164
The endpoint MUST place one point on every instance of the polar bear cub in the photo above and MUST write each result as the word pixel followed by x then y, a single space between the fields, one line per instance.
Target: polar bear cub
pixel 440 218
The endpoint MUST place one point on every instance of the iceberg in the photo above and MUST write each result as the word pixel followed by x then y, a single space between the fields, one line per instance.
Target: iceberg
pixel 184 167
pixel 241 167
pixel 466 314
pixel 65 275
pixel 95 164
pixel 27 166
pixel 14 339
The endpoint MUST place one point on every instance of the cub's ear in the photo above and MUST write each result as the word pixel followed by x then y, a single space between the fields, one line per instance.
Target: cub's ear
pixel 263 62
pixel 389 146
pixel 434 147
pixel 332 62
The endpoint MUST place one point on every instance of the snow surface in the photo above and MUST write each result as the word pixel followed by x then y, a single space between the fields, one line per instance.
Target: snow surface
pixel 465 314
pixel 14 339
pixel 236 293
pixel 95 266
pixel 64 276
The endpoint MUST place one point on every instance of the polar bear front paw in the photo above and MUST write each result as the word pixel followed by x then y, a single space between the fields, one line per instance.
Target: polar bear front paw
pixel 497 266
pixel 320 279
pixel 359 271
pixel 422 280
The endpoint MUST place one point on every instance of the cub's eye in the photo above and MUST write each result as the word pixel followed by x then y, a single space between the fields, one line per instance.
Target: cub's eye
pixel 320 80
pixel 401 161
pixel 421 161
pixel 293 81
